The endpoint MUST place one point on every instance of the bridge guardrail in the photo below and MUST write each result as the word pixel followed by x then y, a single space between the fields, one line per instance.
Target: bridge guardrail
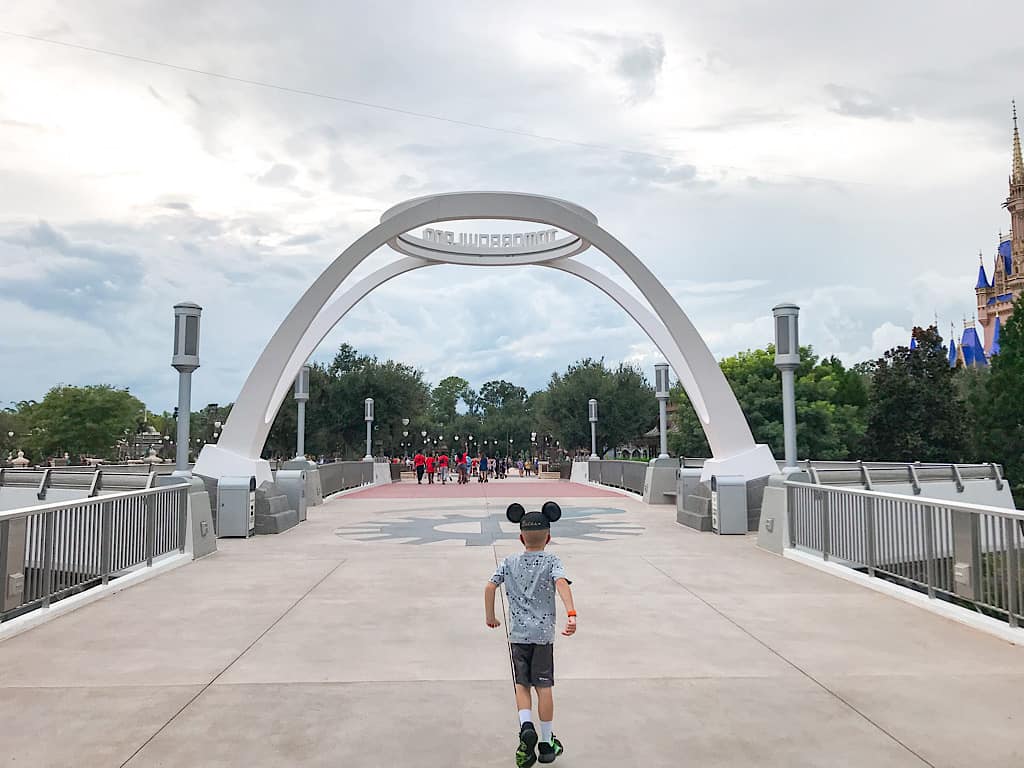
pixel 627 475
pixel 51 551
pixel 969 554
pixel 342 475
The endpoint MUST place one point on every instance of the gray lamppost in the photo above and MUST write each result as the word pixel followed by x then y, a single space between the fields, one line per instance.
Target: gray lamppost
pixel 368 416
pixel 301 396
pixel 184 361
pixel 593 429
pixel 787 360
pixel 661 392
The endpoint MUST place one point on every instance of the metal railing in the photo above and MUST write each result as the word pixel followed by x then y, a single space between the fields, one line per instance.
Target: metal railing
pixel 51 551
pixel 342 475
pixel 968 554
pixel 627 475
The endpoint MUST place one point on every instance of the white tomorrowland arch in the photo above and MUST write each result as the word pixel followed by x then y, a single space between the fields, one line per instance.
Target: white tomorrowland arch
pixel 244 435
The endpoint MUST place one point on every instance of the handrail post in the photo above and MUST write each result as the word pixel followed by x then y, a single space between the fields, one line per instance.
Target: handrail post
pixel 929 547
pixel 44 483
pixel 913 479
pixel 183 498
pixel 1012 571
pixel 48 526
pixel 791 514
pixel 826 530
pixel 106 539
pixel 869 532
pixel 150 528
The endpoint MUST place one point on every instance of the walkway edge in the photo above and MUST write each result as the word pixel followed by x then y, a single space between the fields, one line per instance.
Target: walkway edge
pixel 40 616
pixel 976 621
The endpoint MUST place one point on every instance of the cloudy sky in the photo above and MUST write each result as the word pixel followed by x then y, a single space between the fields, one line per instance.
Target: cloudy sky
pixel 849 157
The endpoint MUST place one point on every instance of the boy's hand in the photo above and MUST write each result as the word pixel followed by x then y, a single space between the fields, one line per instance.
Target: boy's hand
pixel 570 626
pixel 493 622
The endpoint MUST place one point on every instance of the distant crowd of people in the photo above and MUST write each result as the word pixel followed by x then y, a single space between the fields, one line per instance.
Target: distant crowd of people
pixel 437 467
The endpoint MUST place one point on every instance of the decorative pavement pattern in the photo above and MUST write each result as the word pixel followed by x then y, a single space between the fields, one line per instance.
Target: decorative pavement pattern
pixel 580 523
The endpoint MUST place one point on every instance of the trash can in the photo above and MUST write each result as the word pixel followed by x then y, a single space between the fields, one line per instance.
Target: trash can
pixel 728 504
pixel 236 506
pixel 292 483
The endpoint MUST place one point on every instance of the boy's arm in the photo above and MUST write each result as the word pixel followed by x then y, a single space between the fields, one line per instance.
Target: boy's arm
pixel 565 592
pixel 489 591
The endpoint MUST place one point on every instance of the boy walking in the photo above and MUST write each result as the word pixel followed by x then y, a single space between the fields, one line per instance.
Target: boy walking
pixel 531 579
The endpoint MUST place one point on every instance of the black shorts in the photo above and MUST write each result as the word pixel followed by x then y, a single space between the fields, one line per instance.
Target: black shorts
pixel 534 665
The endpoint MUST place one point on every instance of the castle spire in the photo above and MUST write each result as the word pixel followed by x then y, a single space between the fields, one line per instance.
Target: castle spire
pixel 1018 162
pixel 983 282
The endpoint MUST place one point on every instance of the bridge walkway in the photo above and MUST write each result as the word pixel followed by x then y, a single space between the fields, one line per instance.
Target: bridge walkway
pixel 357 638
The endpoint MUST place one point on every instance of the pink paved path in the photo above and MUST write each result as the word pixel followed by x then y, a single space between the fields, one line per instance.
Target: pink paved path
pixel 513 487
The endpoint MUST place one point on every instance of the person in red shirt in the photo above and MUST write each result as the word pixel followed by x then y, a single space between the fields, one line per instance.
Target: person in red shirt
pixel 443 461
pixel 419 461
pixel 430 460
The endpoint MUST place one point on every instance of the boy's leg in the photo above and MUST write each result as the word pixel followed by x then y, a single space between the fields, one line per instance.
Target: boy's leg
pixel 545 704
pixel 523 698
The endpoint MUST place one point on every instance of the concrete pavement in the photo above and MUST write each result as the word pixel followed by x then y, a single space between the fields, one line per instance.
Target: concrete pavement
pixel 358 638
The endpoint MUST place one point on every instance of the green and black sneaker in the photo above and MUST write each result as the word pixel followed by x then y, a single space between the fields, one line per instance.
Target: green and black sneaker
pixel 525 755
pixel 548 752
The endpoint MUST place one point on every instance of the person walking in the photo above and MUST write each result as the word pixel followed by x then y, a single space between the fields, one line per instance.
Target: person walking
pixel 442 462
pixel 532 578
pixel 483 468
pixel 420 462
pixel 430 461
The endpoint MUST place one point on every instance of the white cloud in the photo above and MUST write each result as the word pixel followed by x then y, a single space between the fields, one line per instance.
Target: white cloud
pixel 771 167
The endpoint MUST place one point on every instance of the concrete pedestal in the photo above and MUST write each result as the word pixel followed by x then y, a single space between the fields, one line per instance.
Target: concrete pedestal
pixel 273 511
pixel 660 481
pixel 314 490
pixel 200 532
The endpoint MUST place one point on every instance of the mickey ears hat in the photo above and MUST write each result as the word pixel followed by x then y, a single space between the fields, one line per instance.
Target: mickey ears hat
pixel 533 521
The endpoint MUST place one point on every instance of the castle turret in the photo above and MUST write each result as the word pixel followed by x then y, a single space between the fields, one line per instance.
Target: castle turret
pixel 1015 200
pixel 982 277
pixel 995 299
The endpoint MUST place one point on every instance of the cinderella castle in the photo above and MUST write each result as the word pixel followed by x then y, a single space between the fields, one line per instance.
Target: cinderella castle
pixel 996 296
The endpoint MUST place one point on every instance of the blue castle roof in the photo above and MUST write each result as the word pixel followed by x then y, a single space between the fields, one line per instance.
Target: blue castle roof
pixel 982 278
pixel 952 353
pixel 974 351
pixel 995 336
pixel 1006 251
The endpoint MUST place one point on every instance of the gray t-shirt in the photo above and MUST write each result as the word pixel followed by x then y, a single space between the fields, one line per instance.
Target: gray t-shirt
pixel 529 579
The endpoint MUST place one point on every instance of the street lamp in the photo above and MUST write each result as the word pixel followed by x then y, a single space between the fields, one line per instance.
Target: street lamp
pixel 661 393
pixel 593 429
pixel 368 416
pixel 787 360
pixel 301 396
pixel 185 360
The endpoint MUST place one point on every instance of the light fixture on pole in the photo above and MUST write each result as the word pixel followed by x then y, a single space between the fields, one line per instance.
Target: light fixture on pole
pixel 368 416
pixel 787 360
pixel 593 429
pixel 185 360
pixel 301 396
pixel 661 393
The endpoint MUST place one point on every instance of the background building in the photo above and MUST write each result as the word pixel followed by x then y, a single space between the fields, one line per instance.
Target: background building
pixel 996 296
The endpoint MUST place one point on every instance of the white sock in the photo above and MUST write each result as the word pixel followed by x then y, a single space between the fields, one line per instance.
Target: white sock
pixel 545 731
pixel 525 716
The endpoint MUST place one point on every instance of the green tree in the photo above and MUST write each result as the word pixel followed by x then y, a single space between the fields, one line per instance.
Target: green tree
pixel 914 409
pixel 997 404
pixel 334 413
pixel 829 405
pixel 444 398
pixel 626 404
pixel 84 421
